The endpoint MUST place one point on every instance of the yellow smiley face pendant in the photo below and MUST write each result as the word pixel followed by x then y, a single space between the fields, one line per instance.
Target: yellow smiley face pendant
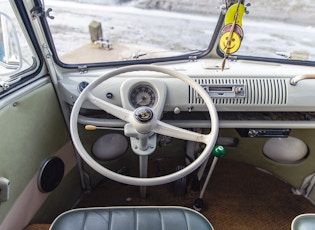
pixel 231 45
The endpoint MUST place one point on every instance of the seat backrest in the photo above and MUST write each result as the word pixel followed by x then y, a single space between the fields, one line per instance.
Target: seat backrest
pixel 304 222
pixel 132 218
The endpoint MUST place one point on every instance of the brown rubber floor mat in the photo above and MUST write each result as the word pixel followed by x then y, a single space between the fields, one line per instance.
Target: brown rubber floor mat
pixel 38 227
pixel 239 197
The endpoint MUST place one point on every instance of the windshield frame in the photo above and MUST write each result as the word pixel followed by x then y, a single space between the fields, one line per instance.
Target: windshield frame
pixel 194 55
pixel 211 51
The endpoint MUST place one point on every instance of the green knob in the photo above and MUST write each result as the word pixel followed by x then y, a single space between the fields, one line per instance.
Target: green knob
pixel 218 151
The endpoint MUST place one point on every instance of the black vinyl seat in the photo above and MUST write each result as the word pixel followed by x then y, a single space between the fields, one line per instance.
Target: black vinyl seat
pixel 304 222
pixel 132 218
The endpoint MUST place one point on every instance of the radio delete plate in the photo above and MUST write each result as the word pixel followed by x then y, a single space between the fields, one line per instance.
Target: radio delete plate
pixel 226 91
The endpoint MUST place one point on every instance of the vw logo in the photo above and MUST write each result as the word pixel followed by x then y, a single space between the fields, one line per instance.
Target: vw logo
pixel 144 114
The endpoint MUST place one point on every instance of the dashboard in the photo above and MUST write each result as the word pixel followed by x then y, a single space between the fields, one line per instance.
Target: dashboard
pixel 246 95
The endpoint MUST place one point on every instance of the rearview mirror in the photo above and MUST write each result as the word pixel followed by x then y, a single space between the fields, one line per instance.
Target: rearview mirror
pixel 10 51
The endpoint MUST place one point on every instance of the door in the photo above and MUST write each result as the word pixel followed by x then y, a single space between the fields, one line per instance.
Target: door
pixel 37 159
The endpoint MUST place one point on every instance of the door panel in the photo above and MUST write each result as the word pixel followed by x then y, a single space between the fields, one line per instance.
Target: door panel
pixel 32 130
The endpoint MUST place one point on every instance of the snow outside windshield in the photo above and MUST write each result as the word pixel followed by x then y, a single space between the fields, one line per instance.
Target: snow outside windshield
pixel 119 30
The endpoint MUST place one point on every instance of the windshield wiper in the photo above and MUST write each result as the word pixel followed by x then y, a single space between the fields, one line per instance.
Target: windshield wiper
pixel 137 55
pixel 294 55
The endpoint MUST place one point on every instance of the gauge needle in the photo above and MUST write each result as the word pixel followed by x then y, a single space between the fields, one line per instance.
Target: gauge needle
pixel 142 98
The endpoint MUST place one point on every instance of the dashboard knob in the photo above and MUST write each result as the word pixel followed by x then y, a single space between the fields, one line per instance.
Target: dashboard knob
pixel 109 95
pixel 177 110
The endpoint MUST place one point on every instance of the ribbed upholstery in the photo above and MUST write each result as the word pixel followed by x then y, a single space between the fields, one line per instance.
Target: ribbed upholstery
pixel 304 222
pixel 131 218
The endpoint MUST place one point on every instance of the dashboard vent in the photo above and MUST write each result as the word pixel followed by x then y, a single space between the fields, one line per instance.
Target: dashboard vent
pixel 264 91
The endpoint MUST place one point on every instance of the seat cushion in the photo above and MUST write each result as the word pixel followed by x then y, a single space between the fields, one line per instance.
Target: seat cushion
pixel 131 218
pixel 304 222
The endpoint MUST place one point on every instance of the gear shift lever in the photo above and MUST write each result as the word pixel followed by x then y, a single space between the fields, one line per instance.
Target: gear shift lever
pixel 217 151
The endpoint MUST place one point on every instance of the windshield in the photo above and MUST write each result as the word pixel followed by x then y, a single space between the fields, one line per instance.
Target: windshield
pixel 279 29
pixel 88 33
pixel 126 30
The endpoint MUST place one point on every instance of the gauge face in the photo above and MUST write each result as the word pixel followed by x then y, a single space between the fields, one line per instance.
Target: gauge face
pixel 142 95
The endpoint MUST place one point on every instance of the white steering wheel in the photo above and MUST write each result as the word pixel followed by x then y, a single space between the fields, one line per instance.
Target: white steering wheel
pixel 145 123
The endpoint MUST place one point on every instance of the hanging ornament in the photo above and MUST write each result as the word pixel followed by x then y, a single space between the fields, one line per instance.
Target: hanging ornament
pixel 231 34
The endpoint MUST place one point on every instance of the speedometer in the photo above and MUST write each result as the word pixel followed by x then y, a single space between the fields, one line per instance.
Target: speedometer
pixel 142 95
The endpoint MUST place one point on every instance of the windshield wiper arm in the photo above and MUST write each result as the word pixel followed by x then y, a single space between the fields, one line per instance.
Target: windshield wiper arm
pixel 287 55
pixel 137 55
pixel 294 55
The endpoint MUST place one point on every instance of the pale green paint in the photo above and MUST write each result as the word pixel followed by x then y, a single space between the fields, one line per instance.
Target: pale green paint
pixel 31 129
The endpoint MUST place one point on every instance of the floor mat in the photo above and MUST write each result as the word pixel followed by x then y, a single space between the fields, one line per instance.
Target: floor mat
pixel 38 227
pixel 238 197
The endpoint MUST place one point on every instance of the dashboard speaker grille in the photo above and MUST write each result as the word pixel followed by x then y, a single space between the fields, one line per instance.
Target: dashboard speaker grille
pixel 265 91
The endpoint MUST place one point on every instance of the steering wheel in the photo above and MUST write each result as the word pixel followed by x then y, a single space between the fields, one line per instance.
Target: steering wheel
pixel 145 124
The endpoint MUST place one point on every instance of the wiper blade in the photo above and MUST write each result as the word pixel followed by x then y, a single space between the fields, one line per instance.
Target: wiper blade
pixel 294 55
pixel 137 55
pixel 287 55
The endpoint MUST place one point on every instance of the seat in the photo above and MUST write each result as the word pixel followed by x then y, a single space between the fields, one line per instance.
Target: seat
pixel 303 222
pixel 131 218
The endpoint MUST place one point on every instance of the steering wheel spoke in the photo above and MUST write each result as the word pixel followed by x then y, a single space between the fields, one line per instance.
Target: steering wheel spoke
pixel 173 131
pixel 119 112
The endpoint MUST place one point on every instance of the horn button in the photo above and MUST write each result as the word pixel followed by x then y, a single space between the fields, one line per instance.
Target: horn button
pixel 143 114
pixel 145 120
